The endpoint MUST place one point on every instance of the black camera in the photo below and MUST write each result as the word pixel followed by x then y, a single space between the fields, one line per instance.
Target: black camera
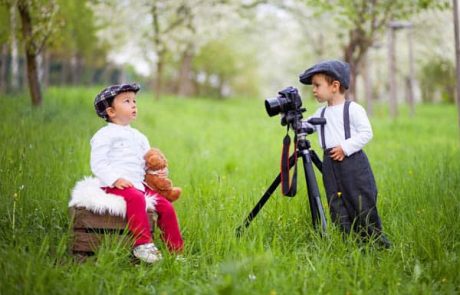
pixel 288 103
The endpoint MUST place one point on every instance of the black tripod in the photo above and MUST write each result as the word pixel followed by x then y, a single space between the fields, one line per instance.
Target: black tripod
pixel 303 150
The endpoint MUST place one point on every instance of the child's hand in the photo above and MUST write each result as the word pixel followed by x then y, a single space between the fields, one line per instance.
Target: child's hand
pixel 122 183
pixel 337 154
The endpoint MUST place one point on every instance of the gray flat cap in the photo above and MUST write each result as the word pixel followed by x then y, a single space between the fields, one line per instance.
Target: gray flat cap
pixel 335 68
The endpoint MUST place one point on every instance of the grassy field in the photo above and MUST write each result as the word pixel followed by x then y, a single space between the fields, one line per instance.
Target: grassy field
pixel 224 154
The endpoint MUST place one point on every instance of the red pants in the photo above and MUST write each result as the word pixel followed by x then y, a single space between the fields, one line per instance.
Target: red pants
pixel 137 217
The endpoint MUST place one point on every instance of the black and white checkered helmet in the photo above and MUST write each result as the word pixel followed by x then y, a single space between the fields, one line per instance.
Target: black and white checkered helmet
pixel 101 102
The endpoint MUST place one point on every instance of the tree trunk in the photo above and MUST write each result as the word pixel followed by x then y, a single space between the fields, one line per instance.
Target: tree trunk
pixel 392 73
pixel 348 57
pixel 80 68
pixel 353 54
pixel 32 77
pixel 160 51
pixel 122 78
pixel 46 69
pixel 23 82
pixel 408 90
pixel 411 79
pixel 31 55
pixel 64 72
pixel 457 58
pixel 185 82
pixel 3 68
pixel 14 51
pixel 106 75
pixel 40 67
pixel 75 69
pixel 159 76
pixel 221 87
pixel 367 84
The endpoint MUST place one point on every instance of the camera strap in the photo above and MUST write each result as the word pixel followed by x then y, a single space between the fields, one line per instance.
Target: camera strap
pixel 288 188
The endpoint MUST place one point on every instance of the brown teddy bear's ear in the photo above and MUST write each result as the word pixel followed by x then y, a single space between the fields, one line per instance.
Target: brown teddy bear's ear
pixel 150 161
pixel 154 160
pixel 150 158
pixel 148 154
pixel 162 156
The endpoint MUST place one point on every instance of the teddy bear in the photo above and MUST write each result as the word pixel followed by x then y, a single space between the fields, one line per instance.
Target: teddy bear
pixel 156 164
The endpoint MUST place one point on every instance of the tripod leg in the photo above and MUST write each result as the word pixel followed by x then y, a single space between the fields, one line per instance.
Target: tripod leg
pixel 271 189
pixel 316 160
pixel 317 211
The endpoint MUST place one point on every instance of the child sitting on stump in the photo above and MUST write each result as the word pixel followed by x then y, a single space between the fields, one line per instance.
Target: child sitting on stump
pixel 347 175
pixel 117 160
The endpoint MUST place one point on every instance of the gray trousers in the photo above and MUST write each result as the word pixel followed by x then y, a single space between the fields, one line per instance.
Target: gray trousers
pixel 352 194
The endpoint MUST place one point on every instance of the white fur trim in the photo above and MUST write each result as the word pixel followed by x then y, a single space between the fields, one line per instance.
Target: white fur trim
pixel 88 194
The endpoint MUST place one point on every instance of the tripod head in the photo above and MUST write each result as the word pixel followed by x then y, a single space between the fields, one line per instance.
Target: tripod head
pixel 305 127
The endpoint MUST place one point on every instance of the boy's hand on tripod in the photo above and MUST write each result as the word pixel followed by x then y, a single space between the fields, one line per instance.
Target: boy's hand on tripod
pixel 337 154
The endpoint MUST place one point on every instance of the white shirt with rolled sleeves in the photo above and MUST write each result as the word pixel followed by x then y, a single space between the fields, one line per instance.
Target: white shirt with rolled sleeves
pixel 118 151
pixel 334 132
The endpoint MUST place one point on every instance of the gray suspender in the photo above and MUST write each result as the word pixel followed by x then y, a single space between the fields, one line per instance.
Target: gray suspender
pixel 323 141
pixel 346 123
pixel 346 119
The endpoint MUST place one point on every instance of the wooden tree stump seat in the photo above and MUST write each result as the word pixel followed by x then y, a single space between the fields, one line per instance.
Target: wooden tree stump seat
pixel 89 229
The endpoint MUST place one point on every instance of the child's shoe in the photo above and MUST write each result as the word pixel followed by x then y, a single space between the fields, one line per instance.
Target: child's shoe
pixel 147 253
pixel 383 242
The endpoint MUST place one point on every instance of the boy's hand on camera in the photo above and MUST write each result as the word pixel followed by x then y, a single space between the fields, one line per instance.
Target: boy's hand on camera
pixel 337 153
pixel 122 183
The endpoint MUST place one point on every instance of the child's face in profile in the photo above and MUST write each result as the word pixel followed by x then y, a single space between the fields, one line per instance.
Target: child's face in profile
pixel 123 110
pixel 322 90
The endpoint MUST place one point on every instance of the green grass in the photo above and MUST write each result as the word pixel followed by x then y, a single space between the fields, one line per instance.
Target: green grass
pixel 224 154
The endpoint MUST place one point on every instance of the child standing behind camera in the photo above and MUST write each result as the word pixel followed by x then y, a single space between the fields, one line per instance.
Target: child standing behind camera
pixel 347 175
pixel 117 160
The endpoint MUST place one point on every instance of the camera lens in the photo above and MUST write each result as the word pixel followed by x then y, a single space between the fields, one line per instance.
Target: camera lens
pixel 276 105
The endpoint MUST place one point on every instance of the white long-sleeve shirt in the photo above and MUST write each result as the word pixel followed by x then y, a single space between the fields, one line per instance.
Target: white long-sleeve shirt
pixel 334 132
pixel 118 152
